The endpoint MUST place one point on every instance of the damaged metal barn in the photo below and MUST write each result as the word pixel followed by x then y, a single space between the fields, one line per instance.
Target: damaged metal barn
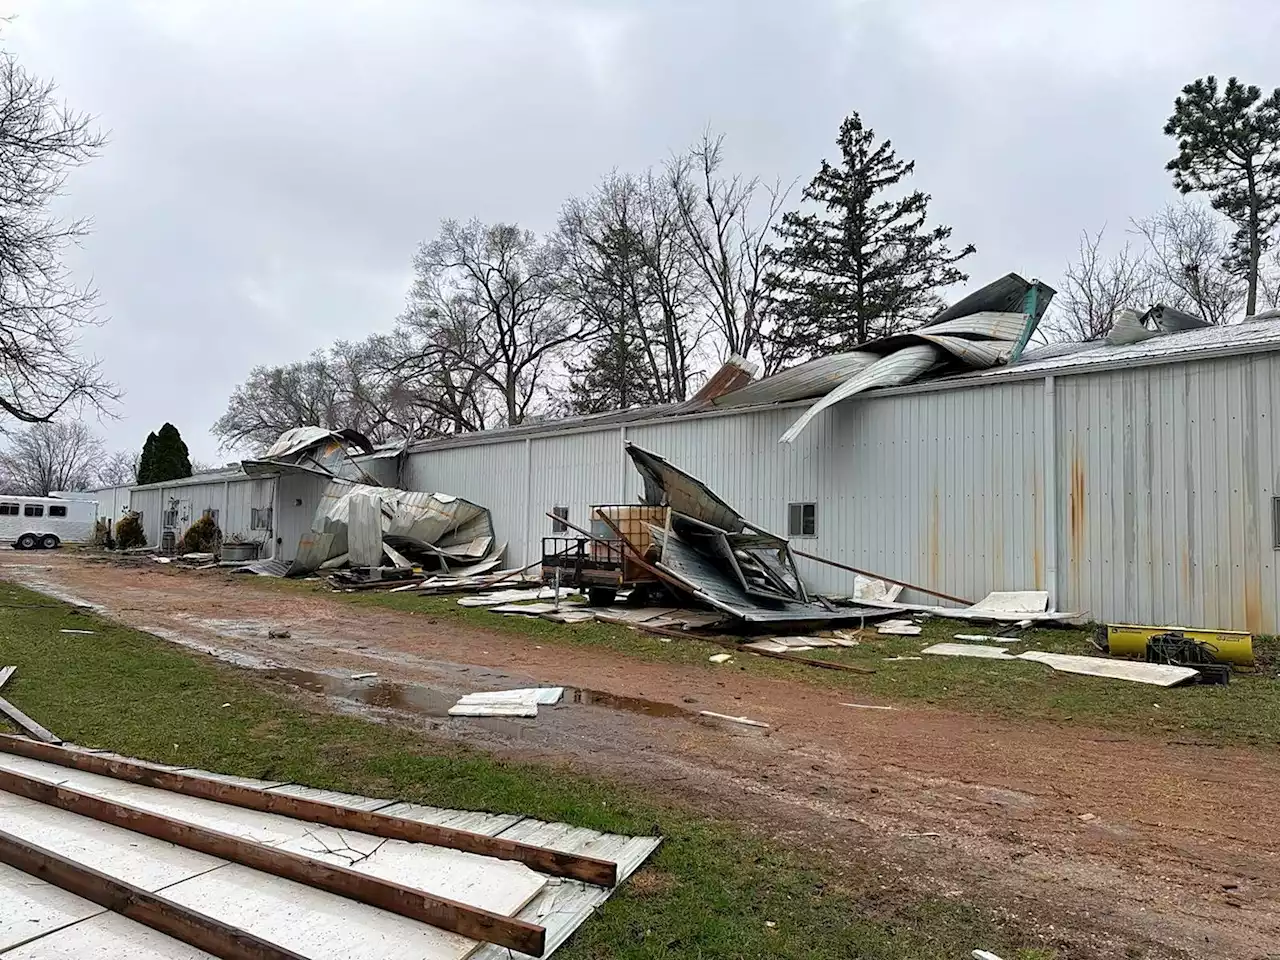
pixel 1134 478
pixel 1134 482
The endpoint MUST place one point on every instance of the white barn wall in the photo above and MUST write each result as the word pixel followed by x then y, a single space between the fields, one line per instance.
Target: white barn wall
pixel 1140 494
pixel 234 499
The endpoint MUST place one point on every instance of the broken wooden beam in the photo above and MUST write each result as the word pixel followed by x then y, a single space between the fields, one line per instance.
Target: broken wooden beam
pixel 172 919
pixel 552 862
pixel 6 673
pixel 25 723
pixel 461 918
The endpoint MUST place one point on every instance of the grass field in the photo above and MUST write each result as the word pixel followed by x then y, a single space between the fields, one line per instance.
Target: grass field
pixel 1246 712
pixel 714 890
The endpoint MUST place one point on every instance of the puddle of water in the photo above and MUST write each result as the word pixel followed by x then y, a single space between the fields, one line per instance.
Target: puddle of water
pixel 430 702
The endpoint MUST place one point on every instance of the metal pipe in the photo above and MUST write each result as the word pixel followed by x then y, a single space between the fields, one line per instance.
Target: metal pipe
pixel 880 576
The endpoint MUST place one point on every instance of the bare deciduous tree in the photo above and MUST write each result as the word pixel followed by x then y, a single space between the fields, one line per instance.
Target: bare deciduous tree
pixel 486 303
pixel 626 271
pixel 118 469
pixel 727 221
pixel 1189 250
pixel 1095 287
pixel 349 386
pixel 57 455
pixel 41 309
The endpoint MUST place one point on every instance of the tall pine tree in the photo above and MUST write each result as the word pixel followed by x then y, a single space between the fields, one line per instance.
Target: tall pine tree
pixel 164 457
pixel 1229 148
pixel 863 265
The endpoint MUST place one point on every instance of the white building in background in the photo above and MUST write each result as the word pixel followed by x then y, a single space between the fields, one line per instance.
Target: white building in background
pixel 241 506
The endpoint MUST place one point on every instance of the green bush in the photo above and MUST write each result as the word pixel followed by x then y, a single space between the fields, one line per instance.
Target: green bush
pixel 203 536
pixel 129 532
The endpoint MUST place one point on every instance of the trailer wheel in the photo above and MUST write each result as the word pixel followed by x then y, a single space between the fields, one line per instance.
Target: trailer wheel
pixel 601 596
pixel 50 542
pixel 27 541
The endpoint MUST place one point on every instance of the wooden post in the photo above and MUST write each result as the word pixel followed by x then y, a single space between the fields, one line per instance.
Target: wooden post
pixel 552 862
pixel 172 919
pixel 474 922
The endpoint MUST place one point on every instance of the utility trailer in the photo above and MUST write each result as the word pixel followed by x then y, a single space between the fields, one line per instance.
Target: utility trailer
pixel 45 522
pixel 604 563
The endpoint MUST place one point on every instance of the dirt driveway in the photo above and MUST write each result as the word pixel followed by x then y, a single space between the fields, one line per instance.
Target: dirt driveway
pixel 1106 842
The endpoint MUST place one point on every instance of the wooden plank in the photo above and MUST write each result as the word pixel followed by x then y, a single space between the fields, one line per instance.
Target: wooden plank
pixel 881 576
pixel 171 919
pixel 755 652
pixel 551 862
pixel 474 922
pixel 6 673
pixel 32 728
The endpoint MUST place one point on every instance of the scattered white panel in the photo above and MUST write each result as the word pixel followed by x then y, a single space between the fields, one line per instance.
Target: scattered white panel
pixel 711 715
pixel 983 638
pixel 969 650
pixel 635 614
pixel 107 936
pixel 1013 601
pixel 569 616
pixel 494 710
pixel 871 588
pixel 316 924
pixel 1157 674
pixel 132 857
pixel 524 609
pixel 503 886
pixel 369 804
pixel 899 628
pixel 511 596
pixel 807 643
pixel 771 646
pixel 537 695
pixel 490 824
pixel 30 907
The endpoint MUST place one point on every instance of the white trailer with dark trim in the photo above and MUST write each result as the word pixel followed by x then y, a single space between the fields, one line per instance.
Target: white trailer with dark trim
pixel 45 522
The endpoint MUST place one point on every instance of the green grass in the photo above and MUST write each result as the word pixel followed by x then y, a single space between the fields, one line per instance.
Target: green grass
pixel 1245 712
pixel 708 893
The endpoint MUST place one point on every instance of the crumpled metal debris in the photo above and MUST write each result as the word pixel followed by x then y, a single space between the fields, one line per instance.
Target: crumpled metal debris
pixel 314 450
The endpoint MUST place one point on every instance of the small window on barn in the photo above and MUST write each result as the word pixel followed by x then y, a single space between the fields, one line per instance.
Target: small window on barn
pixel 33 510
pixel 171 518
pixel 260 518
pixel 8 509
pixel 57 511
pixel 558 525
pixel 802 520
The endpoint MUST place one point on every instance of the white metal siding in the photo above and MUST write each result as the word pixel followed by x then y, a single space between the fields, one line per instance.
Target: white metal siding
pixel 1168 474
pixel 1139 494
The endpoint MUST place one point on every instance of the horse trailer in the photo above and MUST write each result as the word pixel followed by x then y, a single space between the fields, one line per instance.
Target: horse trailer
pixel 45 522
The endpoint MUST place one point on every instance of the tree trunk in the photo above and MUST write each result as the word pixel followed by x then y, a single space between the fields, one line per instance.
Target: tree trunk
pixel 1255 252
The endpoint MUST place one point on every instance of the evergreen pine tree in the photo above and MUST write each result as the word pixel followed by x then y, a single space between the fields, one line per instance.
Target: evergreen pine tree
pixel 1229 148
pixel 863 264
pixel 147 462
pixel 164 457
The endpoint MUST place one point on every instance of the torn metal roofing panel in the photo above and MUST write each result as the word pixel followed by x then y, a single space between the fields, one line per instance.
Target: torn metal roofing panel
pixel 991 324
pixel 811 379
pixel 312 450
pixel 903 366
pixel 733 373
pixel 1173 320
pixel 697 574
pixel 1006 295
pixel 364 529
pixel 683 493
pixel 976 353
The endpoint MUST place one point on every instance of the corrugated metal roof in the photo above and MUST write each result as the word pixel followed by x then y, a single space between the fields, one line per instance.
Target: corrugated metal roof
pixel 1255 336
pixel 213 476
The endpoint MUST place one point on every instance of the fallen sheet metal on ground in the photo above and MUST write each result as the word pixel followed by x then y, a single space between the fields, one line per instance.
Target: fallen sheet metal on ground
pixel 506 703
pixel 1000 606
pixel 310 922
pixel 1160 675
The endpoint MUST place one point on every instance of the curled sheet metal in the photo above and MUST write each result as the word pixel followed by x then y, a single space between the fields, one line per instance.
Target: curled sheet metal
pixel 979 354
pixel 683 493
pixel 995 326
pixel 314 450
pixel 811 379
pixel 904 366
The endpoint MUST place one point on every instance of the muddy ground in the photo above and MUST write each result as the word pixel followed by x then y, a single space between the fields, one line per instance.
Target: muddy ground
pixel 1110 845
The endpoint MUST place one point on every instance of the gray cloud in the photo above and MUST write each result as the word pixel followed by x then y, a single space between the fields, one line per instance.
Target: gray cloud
pixel 272 166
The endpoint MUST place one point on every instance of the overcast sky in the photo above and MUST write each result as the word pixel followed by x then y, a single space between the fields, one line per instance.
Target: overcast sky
pixel 272 165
